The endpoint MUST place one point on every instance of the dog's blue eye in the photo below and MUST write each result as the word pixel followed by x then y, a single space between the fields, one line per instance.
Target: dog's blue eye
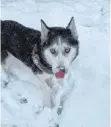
pixel 53 51
pixel 67 50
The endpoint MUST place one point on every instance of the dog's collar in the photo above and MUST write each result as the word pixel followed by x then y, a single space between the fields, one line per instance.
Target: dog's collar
pixel 37 62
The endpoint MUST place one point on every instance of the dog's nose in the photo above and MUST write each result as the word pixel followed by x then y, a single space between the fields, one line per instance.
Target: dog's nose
pixel 62 68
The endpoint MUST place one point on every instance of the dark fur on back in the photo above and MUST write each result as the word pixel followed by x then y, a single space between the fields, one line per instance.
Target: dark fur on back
pixel 19 41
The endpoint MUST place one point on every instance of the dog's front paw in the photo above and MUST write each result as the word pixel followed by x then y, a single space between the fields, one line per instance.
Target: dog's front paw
pixel 52 123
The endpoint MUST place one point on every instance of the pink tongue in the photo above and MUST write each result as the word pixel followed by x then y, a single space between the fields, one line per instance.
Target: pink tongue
pixel 60 74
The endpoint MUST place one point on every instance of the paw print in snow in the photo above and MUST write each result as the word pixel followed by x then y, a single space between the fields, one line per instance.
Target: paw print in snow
pixel 23 100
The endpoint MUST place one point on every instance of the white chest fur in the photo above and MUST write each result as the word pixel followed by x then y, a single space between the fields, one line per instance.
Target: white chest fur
pixel 54 89
pixel 51 87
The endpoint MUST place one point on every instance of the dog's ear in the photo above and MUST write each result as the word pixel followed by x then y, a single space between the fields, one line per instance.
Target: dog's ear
pixel 44 31
pixel 72 27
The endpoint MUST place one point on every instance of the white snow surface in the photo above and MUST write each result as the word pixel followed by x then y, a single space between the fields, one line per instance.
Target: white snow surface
pixel 88 104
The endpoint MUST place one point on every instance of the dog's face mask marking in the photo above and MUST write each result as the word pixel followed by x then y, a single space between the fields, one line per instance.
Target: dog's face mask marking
pixel 59 46
pixel 60 55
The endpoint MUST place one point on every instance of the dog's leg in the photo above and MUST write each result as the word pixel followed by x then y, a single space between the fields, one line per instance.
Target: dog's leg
pixel 55 112
pixel 57 109
pixel 63 98
pixel 59 95
pixel 47 101
pixel 53 118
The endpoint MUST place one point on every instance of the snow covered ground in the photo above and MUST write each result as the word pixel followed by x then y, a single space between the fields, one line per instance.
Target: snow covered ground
pixel 88 104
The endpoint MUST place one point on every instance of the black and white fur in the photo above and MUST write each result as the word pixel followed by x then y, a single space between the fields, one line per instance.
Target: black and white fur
pixel 43 54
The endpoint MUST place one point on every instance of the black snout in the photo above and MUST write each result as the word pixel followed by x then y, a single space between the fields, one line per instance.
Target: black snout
pixel 61 68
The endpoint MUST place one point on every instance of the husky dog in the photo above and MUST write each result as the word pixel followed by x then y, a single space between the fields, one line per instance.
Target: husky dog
pixel 47 54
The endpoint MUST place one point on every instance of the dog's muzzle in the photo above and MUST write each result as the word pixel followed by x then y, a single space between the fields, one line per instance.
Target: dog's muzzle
pixel 60 72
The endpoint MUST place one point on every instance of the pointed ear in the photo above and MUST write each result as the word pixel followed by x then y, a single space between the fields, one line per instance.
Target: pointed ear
pixel 72 27
pixel 44 31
